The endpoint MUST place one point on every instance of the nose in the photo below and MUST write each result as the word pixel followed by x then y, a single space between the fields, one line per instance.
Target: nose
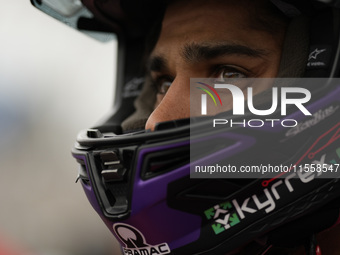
pixel 174 105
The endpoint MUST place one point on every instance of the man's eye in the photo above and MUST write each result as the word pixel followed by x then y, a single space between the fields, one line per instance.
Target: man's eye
pixel 229 73
pixel 163 87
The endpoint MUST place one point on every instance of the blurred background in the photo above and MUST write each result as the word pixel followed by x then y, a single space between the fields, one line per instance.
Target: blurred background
pixel 54 81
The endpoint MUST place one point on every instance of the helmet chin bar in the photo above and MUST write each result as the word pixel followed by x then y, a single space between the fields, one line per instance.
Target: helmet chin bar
pixel 144 177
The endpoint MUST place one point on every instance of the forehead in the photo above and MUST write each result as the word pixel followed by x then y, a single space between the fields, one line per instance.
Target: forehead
pixel 214 10
pixel 196 21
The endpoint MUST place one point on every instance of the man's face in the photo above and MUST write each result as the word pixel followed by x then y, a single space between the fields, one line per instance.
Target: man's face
pixel 208 39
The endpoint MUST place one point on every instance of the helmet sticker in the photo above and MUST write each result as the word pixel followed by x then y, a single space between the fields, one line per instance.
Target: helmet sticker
pixel 223 220
pixel 319 57
pixel 225 215
pixel 314 54
pixel 135 243
pixel 316 118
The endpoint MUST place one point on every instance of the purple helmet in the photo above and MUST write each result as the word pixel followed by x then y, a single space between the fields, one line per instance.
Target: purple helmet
pixel 167 191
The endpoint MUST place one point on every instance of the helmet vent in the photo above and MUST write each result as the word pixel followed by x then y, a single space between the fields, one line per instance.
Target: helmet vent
pixel 160 162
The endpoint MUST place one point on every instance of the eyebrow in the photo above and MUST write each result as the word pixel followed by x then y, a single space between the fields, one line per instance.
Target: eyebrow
pixel 199 52
pixel 194 53
pixel 157 63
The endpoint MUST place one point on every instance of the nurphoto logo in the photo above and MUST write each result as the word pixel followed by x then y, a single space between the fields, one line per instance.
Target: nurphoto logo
pixel 288 96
